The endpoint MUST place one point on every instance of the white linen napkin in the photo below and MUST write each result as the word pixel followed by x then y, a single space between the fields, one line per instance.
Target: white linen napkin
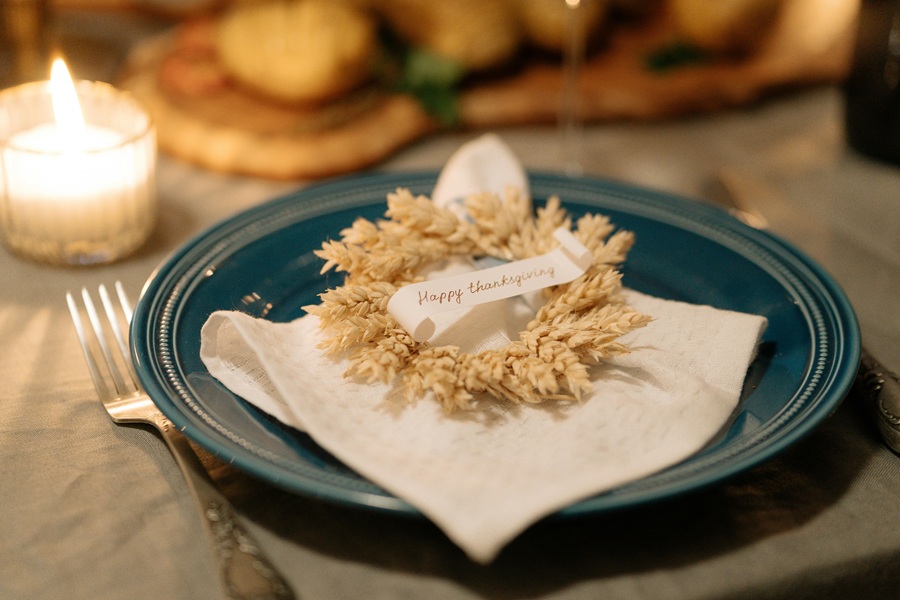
pixel 486 475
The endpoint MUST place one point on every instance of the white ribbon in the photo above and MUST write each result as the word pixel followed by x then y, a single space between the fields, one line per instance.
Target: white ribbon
pixel 413 304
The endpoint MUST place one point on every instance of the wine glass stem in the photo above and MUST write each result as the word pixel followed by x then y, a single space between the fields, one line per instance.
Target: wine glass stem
pixel 570 120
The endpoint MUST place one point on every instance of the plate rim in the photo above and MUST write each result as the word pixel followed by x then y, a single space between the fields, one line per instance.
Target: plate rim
pixel 218 237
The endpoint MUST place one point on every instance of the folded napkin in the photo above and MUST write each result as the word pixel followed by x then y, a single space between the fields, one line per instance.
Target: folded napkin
pixel 484 476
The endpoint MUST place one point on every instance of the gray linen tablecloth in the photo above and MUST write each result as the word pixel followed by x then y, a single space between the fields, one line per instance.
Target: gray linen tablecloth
pixel 91 510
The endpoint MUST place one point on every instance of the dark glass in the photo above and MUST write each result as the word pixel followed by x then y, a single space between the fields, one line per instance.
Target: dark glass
pixel 872 89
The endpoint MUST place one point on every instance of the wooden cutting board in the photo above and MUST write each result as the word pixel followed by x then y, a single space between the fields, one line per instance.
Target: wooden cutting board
pixel 225 128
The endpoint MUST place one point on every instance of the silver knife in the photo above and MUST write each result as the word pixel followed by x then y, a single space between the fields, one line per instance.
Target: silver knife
pixel 878 387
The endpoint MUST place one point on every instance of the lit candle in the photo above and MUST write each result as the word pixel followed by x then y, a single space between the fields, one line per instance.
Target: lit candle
pixel 77 171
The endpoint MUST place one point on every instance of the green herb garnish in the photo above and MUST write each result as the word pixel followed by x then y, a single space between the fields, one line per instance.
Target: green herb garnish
pixel 431 78
pixel 434 81
pixel 675 55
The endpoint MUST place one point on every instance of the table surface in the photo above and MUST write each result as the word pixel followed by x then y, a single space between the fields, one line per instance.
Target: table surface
pixel 93 510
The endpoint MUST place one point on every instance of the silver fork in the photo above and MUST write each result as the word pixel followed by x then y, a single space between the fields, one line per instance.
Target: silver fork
pixel 244 570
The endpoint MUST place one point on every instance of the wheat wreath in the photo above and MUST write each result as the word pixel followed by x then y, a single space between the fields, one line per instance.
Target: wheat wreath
pixel 578 325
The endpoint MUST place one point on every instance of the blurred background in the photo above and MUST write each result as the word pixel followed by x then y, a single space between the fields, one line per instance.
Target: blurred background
pixel 787 108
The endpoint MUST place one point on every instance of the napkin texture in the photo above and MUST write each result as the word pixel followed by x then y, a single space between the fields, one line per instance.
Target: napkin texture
pixel 485 475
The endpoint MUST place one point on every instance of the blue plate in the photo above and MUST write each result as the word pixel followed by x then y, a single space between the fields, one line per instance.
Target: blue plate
pixel 261 262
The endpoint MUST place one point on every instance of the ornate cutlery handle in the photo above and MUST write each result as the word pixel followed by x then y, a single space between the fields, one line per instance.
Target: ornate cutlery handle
pixel 881 389
pixel 244 570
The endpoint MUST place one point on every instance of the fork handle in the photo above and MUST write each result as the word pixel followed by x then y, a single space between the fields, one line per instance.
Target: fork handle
pixel 245 571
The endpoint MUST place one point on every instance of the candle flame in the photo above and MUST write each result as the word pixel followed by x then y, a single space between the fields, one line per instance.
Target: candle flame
pixel 66 109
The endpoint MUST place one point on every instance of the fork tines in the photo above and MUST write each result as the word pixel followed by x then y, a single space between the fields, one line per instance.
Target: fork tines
pixel 108 345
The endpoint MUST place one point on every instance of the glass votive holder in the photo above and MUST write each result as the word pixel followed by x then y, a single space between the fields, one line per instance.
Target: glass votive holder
pixel 90 204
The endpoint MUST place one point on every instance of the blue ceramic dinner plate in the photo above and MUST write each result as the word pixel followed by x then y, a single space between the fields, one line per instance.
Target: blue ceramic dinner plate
pixel 261 262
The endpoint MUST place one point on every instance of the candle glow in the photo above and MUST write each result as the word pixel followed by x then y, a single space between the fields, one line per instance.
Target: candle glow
pixel 66 109
pixel 77 167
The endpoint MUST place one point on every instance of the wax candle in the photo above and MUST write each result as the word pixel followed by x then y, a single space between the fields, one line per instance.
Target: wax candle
pixel 75 192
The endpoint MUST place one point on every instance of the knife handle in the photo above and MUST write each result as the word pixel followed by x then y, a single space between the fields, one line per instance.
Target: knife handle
pixel 881 391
